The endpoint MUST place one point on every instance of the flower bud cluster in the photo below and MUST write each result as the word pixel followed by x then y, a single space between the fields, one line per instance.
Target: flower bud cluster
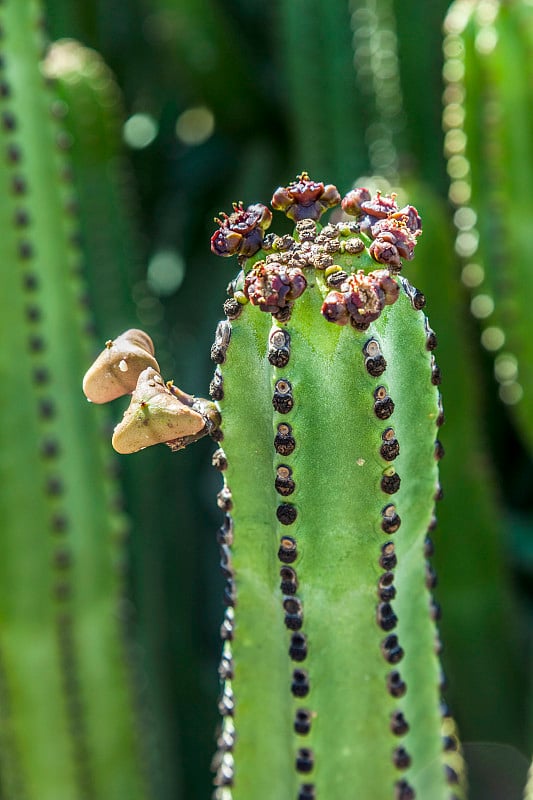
pixel 242 232
pixel 338 249
pixel 394 230
pixel 274 285
pixel 361 298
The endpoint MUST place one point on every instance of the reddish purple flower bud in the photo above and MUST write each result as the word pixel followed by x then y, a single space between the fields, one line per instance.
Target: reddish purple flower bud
pixel 245 221
pixel 297 283
pixel 364 298
pixel 273 286
pixel 351 204
pixel 411 217
pixel 384 251
pixel 380 215
pixel 334 308
pixel 395 232
pixel 305 199
pixel 225 242
pixel 387 284
pixel 241 232
pixel 380 205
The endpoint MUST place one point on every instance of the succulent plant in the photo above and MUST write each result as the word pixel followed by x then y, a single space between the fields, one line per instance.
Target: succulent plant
pixel 326 407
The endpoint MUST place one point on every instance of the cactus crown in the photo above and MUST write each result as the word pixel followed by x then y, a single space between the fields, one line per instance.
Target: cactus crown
pixel 381 232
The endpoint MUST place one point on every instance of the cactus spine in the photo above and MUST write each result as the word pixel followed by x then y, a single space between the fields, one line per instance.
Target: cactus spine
pixel 67 723
pixel 327 390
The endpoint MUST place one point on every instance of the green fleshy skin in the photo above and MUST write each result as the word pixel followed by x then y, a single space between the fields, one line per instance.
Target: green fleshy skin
pixel 90 106
pixel 68 726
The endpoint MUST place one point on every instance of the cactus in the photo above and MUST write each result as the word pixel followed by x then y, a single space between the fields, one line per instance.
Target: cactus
pixel 68 722
pixel 327 408
pixel 488 48
pixel 90 105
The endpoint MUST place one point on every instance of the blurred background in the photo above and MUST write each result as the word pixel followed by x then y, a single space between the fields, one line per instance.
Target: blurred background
pixel 189 105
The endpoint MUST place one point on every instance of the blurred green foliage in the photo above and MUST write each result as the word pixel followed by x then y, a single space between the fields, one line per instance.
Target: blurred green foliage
pixel 222 102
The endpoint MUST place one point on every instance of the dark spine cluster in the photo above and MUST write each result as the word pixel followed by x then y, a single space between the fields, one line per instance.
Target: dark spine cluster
pixel 386 618
pixel 286 513
pixel 223 764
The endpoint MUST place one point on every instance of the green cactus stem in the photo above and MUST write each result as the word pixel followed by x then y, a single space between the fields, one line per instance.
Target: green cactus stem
pixel 90 105
pixel 328 128
pixel 327 389
pixel 488 49
pixel 67 715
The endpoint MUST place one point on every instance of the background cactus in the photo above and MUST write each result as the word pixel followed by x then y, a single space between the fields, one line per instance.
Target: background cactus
pixel 488 48
pixel 69 706
pixel 240 124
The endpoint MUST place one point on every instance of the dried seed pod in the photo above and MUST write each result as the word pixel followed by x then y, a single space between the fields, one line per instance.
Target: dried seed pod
pixel 155 415
pixel 116 370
